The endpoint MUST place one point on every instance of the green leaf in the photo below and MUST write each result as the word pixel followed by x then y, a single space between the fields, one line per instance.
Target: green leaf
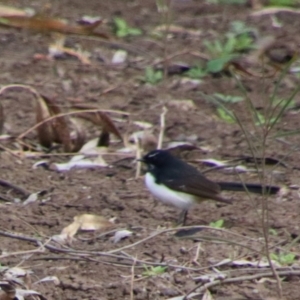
pixel 218 64
pixel 134 31
pixel 152 76
pixel 196 72
pixel 229 46
pixel 122 32
pixel 226 115
pixel 120 23
pixel 273 231
pixel 217 224
pixel 122 29
pixel 154 271
pixel 261 120
pixel 287 259
pixel 228 98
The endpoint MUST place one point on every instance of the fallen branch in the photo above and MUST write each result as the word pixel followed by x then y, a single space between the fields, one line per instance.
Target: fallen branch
pixel 14 187
pixel 203 288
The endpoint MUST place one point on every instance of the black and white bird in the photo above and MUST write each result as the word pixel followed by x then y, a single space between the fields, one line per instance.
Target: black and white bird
pixel 177 183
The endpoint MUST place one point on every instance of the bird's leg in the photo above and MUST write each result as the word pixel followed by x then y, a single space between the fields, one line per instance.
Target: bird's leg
pixel 182 217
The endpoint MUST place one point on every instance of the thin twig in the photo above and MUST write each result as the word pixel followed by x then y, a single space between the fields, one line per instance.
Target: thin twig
pixel 132 280
pixel 14 187
pixel 138 155
pixel 162 127
pixel 202 288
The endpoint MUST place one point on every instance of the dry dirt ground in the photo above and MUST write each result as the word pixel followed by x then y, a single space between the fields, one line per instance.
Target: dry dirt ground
pixel 89 268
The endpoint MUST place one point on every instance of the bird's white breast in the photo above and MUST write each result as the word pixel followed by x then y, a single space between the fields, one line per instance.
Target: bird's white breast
pixel 168 196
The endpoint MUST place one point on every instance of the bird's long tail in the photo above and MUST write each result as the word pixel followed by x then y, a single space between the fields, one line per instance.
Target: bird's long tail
pixel 250 187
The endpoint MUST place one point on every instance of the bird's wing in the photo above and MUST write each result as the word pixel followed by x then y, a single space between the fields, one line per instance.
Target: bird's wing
pixel 193 182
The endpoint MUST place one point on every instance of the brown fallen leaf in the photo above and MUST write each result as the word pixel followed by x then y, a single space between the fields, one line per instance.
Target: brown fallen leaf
pixel 8 291
pixel 13 11
pixel 1 118
pixel 103 120
pixel 86 222
pixel 44 131
pixel 44 24
pixel 54 131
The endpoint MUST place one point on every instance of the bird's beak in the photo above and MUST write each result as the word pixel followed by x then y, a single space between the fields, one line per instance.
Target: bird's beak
pixel 140 159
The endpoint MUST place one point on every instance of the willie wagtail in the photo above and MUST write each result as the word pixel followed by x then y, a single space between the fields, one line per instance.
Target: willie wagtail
pixel 175 182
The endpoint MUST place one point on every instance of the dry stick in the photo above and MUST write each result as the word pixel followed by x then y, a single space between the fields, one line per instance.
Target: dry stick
pixel 173 229
pixel 208 285
pixel 265 213
pixel 132 279
pixel 37 95
pixel 138 155
pixel 68 114
pixel 86 254
pixel 162 127
pixel 15 187
pixel 9 151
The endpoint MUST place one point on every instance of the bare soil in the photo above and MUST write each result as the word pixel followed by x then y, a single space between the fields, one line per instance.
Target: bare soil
pixel 114 191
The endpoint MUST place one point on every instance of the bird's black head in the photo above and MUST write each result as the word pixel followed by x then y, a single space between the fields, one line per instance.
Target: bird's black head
pixel 157 158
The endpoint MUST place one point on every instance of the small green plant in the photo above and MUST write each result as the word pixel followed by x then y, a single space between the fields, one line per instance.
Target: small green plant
pixel 122 29
pixel 273 232
pixel 196 72
pixel 153 76
pixel 154 271
pixel 283 259
pixel 228 98
pixel 226 115
pixel 226 1
pixel 217 224
pixel 283 2
pixel 237 40
pixel 281 102
pixel 262 120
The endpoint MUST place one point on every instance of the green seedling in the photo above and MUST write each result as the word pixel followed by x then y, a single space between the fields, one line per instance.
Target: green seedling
pixel 154 271
pixel 237 40
pixel 227 98
pixel 282 102
pixel 226 115
pixel 217 224
pixel 273 232
pixel 219 64
pixel 283 259
pixel 153 76
pixel 261 120
pixel 122 29
pixel 228 2
pixel 288 3
pixel 196 72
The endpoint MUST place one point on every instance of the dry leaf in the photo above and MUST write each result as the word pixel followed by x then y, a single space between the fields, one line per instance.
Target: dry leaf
pixel 119 57
pixel 101 119
pixel 61 133
pixel 32 198
pixel 57 129
pixel 44 131
pixel 53 279
pixel 7 291
pixel 12 11
pixel 17 274
pixel 184 105
pixel 87 222
pixel 1 118
pixel 80 162
pixel 120 235
pixel 57 49
pixel 207 295
pixel 176 30
pixel 44 24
